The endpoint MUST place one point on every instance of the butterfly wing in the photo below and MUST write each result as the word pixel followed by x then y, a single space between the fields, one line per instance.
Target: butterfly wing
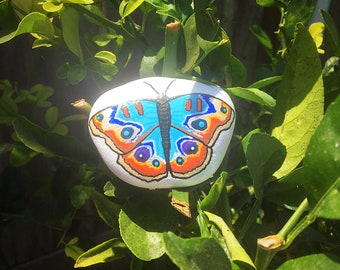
pixel 197 121
pixel 129 131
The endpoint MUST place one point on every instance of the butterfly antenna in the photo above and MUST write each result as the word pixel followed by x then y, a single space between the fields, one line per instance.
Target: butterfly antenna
pixel 153 88
pixel 166 90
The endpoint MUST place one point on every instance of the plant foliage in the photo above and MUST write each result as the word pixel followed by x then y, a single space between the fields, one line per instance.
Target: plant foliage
pixel 280 179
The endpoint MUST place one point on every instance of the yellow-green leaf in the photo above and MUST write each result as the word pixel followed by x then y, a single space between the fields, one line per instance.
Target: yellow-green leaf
pixel 299 101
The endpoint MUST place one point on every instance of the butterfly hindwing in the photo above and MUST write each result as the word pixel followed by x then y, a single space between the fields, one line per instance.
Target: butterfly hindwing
pixel 147 160
pixel 188 156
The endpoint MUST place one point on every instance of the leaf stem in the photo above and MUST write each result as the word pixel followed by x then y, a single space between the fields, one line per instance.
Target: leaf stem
pixel 291 223
pixel 235 249
pixel 171 46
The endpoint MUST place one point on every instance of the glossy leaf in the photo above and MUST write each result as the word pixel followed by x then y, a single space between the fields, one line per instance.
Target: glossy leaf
pixel 105 70
pixel 81 2
pixel 332 33
pixel 127 7
pixel 103 39
pixel 298 12
pixel 253 95
pixel 191 45
pixel 106 56
pixel 299 100
pixel 287 192
pixel 79 194
pixel 322 166
pixel 39 94
pixel 51 116
pixel 70 22
pixel 265 82
pixel 51 6
pixel 264 155
pixel 20 155
pixel 8 110
pixel 107 209
pixel 107 251
pixel 42 141
pixel 34 22
pixel 196 253
pixel 314 261
pixel 266 3
pixel 72 250
pixel 263 38
pixel 73 72
pixel 209 202
pixel 142 223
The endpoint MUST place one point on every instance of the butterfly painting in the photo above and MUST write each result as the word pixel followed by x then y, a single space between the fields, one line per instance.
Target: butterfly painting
pixel 162 132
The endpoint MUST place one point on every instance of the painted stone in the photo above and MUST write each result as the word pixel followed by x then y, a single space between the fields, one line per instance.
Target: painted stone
pixel 163 132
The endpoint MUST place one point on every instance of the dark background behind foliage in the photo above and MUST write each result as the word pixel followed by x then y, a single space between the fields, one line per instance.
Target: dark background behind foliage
pixel 25 242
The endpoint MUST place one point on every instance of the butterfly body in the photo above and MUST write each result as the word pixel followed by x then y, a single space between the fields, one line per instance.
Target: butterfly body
pixel 163 132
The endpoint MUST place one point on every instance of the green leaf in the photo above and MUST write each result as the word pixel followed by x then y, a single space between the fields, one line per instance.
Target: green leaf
pixel 107 251
pixel 109 189
pixel 265 82
pixel 106 70
pixel 73 72
pixel 69 18
pixel 287 192
pixel 299 100
pixel 103 39
pixel 79 194
pixel 73 251
pixel 52 6
pixel 34 22
pixel 51 116
pixel 235 72
pixel 266 3
pixel 8 110
pixel 106 56
pixel 322 166
pixel 208 46
pixel 107 209
pixel 332 33
pixel 21 155
pixel 149 61
pixel 191 45
pixel 209 202
pixel 314 261
pixel 196 253
pixel 126 7
pixel 298 12
pixel 42 141
pixel 263 38
pixel 143 221
pixel 38 95
pixel 80 2
pixel 254 95
pixel 264 155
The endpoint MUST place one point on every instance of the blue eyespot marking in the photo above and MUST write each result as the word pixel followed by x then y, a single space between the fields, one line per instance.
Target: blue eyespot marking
pixel 199 124
pixel 224 109
pixel 155 163
pixel 126 132
pixel 99 117
pixel 179 161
